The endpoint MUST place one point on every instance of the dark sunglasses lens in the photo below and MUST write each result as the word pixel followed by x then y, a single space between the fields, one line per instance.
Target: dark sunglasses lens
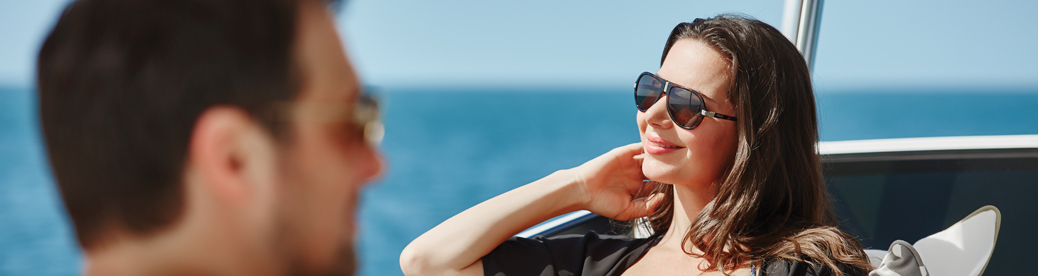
pixel 646 91
pixel 684 107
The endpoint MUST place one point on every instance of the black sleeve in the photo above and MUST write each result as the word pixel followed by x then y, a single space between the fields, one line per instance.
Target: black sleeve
pixel 782 267
pixel 588 254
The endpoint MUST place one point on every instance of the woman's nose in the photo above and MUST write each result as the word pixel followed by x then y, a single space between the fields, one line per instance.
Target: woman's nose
pixel 657 115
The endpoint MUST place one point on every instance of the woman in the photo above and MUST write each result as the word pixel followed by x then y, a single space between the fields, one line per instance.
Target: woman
pixel 729 122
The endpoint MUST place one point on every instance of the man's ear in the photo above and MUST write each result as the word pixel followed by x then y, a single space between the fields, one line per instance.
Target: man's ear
pixel 225 148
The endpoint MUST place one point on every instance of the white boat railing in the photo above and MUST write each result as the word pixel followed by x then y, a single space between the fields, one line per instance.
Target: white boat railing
pixel 929 144
pixel 552 223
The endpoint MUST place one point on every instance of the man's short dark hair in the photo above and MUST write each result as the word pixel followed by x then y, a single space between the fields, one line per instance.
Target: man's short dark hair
pixel 122 83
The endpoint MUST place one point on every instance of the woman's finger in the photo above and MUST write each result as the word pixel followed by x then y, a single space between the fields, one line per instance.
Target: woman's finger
pixel 653 202
pixel 641 207
pixel 631 149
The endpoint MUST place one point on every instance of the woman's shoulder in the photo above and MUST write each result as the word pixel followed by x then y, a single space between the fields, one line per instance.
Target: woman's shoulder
pixel 824 250
pixel 806 267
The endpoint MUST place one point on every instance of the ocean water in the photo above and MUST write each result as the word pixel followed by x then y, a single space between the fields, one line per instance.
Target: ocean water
pixel 448 149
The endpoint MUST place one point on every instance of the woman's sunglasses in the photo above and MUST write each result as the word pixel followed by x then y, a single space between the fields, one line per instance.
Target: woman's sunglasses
pixel 684 105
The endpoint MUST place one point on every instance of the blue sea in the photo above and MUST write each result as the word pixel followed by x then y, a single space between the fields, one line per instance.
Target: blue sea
pixel 448 149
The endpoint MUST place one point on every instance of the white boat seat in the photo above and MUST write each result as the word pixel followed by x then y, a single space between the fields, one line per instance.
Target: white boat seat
pixel 962 249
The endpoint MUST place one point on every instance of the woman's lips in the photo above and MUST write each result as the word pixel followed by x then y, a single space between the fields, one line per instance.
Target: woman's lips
pixel 657 146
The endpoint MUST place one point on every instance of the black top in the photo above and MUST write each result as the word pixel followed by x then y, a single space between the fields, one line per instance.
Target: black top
pixel 600 255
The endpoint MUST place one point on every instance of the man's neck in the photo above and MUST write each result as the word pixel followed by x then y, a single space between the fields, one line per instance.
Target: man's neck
pixel 194 246
pixel 171 252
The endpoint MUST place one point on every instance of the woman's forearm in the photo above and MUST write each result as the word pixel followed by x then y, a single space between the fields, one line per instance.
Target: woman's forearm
pixel 455 246
pixel 460 242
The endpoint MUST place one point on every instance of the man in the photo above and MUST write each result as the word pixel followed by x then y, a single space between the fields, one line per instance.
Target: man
pixel 206 137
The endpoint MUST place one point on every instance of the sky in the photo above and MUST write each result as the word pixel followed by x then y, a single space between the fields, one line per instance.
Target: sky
pixel 539 43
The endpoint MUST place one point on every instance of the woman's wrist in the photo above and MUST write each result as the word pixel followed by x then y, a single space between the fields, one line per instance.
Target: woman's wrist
pixel 569 192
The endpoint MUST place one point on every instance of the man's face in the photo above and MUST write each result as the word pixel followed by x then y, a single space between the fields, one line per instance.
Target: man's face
pixel 325 162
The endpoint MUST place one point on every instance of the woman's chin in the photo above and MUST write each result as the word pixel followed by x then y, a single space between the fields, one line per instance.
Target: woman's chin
pixel 657 171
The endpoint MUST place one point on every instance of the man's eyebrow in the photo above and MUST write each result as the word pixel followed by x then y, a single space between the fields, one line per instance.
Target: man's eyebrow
pixel 353 93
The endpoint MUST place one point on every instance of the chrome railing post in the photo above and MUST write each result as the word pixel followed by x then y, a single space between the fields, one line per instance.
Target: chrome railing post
pixel 800 22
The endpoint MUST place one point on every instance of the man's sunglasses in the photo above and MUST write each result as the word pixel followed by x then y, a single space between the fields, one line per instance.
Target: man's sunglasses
pixel 684 105
pixel 363 115
pixel 366 117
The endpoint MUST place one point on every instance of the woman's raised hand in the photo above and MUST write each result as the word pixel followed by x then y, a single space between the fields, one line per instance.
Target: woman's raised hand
pixel 609 183
pixel 605 185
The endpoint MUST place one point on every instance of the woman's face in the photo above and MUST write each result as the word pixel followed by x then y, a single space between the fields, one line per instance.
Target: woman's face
pixel 692 158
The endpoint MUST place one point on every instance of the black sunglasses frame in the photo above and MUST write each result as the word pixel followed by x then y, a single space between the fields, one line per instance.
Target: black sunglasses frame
pixel 668 86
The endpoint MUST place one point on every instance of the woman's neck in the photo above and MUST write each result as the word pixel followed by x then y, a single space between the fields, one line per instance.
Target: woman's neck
pixel 688 202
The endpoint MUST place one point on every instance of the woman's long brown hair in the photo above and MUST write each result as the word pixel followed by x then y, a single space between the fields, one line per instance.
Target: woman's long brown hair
pixel 771 202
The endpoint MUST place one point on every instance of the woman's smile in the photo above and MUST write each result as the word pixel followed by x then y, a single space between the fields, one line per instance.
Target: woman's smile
pixel 657 146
